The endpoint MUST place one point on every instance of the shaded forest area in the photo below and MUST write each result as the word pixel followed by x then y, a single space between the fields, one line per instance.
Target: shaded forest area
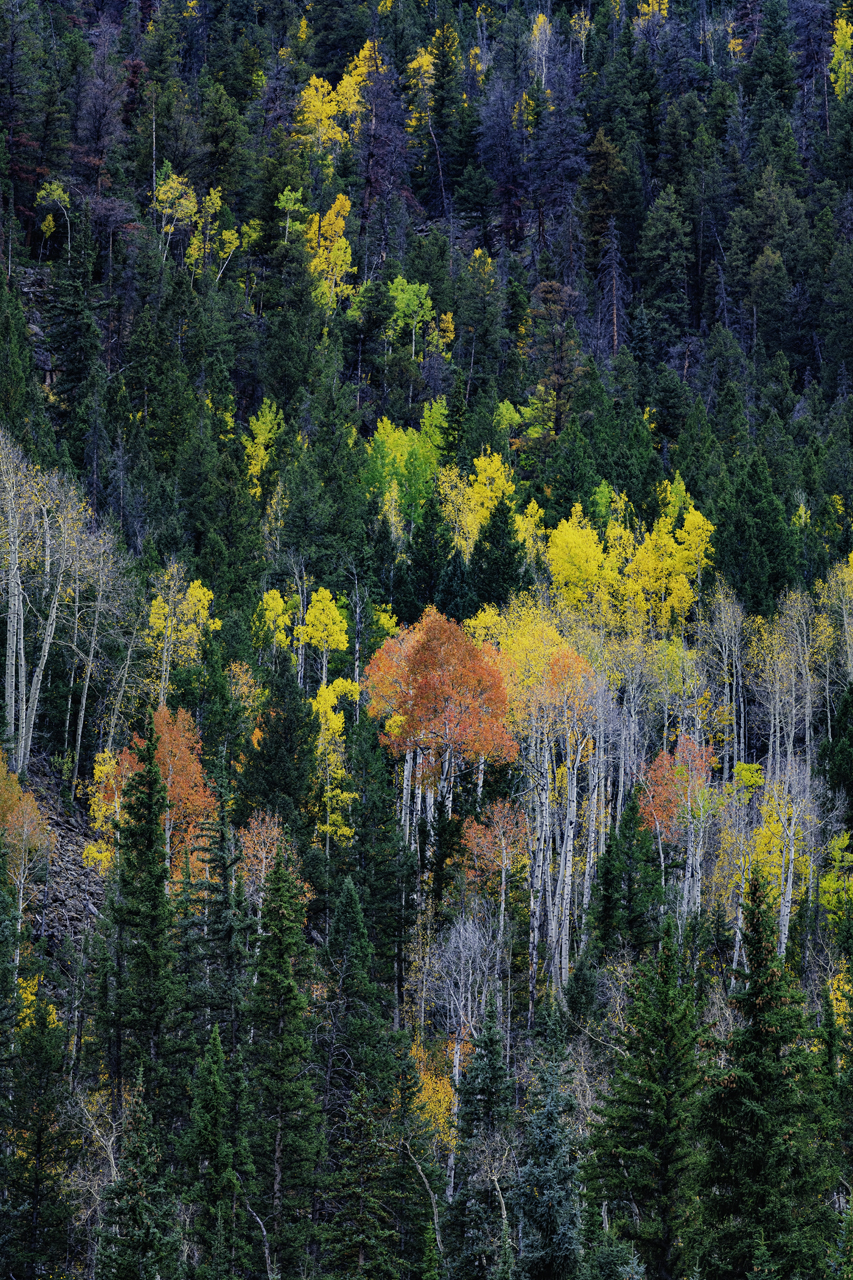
pixel 426 483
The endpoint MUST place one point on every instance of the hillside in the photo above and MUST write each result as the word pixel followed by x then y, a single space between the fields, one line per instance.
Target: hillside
pixel 426 512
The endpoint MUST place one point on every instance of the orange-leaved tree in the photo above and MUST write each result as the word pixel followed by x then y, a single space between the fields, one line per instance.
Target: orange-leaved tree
pixel 28 841
pixel 441 697
pixel 190 802
pixel 677 804
pixel 260 840
pixel 495 848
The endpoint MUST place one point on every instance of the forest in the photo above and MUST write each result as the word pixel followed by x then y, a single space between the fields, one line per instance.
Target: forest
pixel 426 563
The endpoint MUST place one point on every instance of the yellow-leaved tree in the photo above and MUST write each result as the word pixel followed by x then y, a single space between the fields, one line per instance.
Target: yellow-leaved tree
pixel 467 502
pixel 265 428
pixel 330 254
pixel 841 63
pixel 271 623
pixel 324 629
pixel 338 792
pixel 180 615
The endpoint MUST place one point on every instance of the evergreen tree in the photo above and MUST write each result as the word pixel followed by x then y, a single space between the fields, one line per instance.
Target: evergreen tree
pixel 277 772
pixel 767 1161
pixel 485 1106
pixel 361 1234
pixel 216 1155
pixel 355 1043
pixel 139 997
pixel 644 1140
pixel 497 560
pixel 628 894
pixel 546 1190
pixel 139 1238
pixel 38 1142
pixel 286 1143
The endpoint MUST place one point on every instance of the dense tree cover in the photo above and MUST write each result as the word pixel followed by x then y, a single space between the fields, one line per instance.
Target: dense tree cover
pixel 426 480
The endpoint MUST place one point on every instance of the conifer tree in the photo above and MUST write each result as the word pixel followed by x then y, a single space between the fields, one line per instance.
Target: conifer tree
pixel 643 1143
pixel 219 1167
pixel 356 1042
pixel 485 1105
pixel 767 1158
pixel 497 559
pixel 629 892
pixel 38 1143
pixel 361 1234
pixel 286 1144
pixel 546 1190
pixel 139 996
pixel 139 1238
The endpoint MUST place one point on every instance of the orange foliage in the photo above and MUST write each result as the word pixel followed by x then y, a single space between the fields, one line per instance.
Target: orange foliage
pixel 498 844
pixel 670 784
pixel 259 841
pixel 191 803
pixel 439 692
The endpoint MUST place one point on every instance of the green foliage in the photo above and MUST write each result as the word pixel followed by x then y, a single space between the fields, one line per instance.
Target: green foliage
pixel 767 1153
pixel 644 1139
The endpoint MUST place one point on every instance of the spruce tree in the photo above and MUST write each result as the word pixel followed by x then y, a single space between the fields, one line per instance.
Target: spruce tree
pixel 286 1141
pixel 39 1142
pixel 219 1168
pixel 139 996
pixel 356 1042
pixel 361 1234
pixel 139 1237
pixel 644 1139
pixel 485 1109
pixel 277 773
pixel 767 1156
pixel 629 893
pixel 546 1190
pixel 497 569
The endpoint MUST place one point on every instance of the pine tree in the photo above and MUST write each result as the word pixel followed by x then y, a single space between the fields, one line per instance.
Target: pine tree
pixel 277 772
pixel 39 1144
pixel 546 1190
pixel 139 1238
pixel 629 892
pixel 356 1043
pixel 139 997
pixel 644 1162
pixel 216 1155
pixel 485 1108
pixel 497 569
pixel 361 1234
pixel 767 1156
pixel 286 1143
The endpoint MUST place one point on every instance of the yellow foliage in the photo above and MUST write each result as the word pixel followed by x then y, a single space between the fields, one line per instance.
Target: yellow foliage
pixel 467 504
pixel 648 9
pixel 530 531
pixel 176 203
pixel 325 627
pixel 104 792
pixel 28 990
pixel 265 427
pixel 435 1096
pixel 836 884
pixel 271 621
pixel 331 255
pixel 327 118
pixel 841 63
pixel 338 795
pixel 176 625
pixel 781 830
pixel 575 557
